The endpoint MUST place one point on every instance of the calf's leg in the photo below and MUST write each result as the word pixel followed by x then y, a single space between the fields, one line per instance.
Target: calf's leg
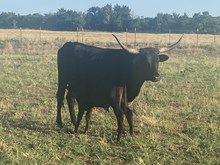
pixel 88 117
pixel 79 118
pixel 70 101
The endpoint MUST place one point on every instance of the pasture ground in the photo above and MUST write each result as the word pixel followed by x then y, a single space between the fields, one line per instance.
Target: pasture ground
pixel 177 120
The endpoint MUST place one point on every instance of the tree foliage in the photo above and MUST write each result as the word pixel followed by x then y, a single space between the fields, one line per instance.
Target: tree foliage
pixel 113 18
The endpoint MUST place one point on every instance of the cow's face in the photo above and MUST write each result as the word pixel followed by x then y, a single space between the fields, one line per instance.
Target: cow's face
pixel 151 59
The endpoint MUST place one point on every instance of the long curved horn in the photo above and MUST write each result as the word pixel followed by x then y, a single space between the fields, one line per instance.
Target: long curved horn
pixel 133 51
pixel 165 49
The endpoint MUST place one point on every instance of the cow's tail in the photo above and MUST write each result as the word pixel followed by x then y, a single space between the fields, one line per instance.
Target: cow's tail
pixel 62 83
pixel 62 78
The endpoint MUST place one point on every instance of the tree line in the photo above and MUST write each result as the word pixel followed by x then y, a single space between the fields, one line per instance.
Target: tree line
pixel 113 18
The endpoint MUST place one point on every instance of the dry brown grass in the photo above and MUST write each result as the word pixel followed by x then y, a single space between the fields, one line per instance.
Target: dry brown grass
pixel 47 42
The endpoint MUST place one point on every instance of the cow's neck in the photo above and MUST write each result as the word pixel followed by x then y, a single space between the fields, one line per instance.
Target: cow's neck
pixel 134 86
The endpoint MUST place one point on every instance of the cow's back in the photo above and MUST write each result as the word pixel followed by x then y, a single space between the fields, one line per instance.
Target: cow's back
pixel 88 63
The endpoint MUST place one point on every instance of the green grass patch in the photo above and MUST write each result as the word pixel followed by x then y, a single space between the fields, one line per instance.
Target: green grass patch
pixel 177 120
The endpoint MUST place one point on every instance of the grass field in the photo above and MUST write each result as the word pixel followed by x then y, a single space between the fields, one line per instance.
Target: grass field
pixel 177 120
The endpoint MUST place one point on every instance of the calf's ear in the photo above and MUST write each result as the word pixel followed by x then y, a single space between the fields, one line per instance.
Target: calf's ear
pixel 163 57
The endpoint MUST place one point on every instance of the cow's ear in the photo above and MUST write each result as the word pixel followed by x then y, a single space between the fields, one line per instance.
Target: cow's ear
pixel 163 57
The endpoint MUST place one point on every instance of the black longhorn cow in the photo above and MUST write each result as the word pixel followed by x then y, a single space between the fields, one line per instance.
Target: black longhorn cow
pixel 102 77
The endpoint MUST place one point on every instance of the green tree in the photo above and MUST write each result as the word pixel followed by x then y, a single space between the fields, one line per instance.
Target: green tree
pixel 99 18
pixel 184 24
pixel 64 20
pixel 113 18
pixel 31 21
pixel 106 15
pixel 94 19
pixel 204 22
pixel 8 20
pixel 121 18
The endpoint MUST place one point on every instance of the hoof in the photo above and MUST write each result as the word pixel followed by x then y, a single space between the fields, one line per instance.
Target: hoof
pixel 59 125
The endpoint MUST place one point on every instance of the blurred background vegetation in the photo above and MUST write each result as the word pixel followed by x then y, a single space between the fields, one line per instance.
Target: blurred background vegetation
pixel 113 18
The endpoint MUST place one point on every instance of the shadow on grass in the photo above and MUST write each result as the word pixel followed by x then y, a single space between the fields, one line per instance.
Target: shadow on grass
pixel 8 121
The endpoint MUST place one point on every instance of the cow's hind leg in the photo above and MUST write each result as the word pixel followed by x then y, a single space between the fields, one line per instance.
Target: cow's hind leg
pixel 119 117
pixel 117 93
pixel 88 117
pixel 70 101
